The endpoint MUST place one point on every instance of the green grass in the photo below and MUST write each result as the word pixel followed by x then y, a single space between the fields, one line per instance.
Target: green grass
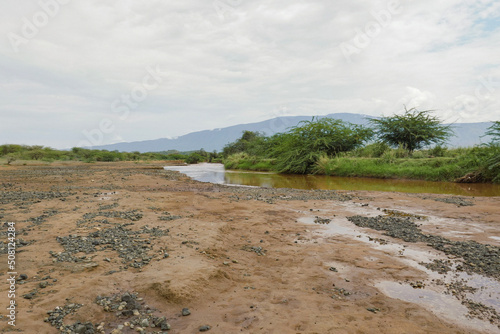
pixel 436 169
pixel 438 164
pixel 245 161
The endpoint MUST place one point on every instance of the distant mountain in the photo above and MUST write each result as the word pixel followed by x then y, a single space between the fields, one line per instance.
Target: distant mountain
pixel 466 134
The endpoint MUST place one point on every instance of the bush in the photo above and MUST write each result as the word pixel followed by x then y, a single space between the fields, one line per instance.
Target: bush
pixel 298 150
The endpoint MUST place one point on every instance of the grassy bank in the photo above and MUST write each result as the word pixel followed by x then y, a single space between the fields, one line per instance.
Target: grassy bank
pixel 438 164
pixel 436 169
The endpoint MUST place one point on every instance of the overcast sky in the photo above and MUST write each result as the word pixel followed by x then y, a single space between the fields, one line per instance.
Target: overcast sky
pixel 74 72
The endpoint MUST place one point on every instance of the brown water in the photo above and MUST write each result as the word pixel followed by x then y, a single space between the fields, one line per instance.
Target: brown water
pixel 215 173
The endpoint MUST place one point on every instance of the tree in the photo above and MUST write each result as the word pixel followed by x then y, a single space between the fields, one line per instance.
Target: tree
pixel 413 130
pixel 494 131
pixel 298 150
pixel 11 157
pixel 250 142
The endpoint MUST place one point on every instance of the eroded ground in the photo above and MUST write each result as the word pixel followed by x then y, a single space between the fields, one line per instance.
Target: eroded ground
pixel 128 248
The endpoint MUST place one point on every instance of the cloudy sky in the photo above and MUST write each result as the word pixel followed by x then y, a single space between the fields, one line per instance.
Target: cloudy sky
pixel 75 72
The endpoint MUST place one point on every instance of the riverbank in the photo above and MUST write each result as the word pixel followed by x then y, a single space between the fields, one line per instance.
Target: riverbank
pixel 464 165
pixel 110 246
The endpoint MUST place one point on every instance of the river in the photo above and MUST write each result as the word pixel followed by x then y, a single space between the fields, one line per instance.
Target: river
pixel 215 173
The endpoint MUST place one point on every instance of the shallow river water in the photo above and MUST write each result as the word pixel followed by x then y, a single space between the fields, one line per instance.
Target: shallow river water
pixel 215 173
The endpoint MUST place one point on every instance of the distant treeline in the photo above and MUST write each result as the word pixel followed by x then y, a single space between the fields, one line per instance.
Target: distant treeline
pixel 12 152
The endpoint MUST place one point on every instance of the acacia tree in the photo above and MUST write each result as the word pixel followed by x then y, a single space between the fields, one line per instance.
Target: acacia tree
pixel 413 130
pixel 298 150
pixel 494 131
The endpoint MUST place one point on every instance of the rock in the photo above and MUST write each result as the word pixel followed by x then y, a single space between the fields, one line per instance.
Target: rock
pixel 205 328
pixel 185 312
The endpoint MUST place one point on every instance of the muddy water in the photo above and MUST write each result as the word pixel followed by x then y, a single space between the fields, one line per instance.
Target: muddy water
pixel 215 173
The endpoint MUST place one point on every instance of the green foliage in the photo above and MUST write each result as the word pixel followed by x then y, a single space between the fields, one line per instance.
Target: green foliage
pixel 11 157
pixel 39 153
pixel 374 150
pixel 482 161
pixel 413 130
pixel 298 150
pixel 245 161
pixel 201 156
pixel 494 131
pixel 250 142
pixel 438 151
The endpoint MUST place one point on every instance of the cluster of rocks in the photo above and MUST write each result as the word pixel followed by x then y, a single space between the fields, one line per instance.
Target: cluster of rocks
pixel 439 266
pixel 456 200
pixel 129 244
pixel 476 258
pixel 130 310
pixel 271 195
pixel 481 311
pixel 319 220
pixel 255 249
pixel 30 197
pixel 167 216
pixel 4 247
pixel 56 319
pixel 43 218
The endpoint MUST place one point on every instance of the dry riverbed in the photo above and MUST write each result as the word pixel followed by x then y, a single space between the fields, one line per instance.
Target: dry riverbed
pixel 133 248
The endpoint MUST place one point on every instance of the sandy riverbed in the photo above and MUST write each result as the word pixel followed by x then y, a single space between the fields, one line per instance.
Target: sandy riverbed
pixel 248 260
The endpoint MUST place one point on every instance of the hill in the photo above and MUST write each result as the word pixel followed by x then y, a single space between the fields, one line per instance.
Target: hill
pixel 466 134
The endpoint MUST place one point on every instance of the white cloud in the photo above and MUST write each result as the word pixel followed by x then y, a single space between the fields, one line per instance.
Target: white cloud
pixel 241 62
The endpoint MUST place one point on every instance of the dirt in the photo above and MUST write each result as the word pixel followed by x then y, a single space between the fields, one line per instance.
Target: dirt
pixel 129 247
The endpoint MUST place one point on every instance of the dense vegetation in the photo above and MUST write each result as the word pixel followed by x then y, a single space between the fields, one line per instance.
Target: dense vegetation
pixel 21 153
pixel 394 148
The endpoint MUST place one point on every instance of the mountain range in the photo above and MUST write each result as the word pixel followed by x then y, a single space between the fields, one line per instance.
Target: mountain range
pixel 466 134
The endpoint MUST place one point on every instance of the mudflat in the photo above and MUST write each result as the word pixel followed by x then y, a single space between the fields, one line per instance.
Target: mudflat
pixel 133 248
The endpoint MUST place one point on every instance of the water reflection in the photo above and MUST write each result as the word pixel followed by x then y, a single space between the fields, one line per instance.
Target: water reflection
pixel 215 173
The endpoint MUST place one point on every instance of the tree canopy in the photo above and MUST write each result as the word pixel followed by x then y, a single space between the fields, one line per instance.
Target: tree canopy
pixel 494 131
pixel 297 150
pixel 412 130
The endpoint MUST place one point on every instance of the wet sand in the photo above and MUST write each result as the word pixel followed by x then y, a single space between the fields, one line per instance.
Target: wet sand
pixel 248 260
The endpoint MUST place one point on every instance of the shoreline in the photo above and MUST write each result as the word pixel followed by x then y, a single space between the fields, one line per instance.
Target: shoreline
pixel 153 242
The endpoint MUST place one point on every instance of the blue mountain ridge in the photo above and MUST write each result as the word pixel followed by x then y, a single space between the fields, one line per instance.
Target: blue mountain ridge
pixel 466 134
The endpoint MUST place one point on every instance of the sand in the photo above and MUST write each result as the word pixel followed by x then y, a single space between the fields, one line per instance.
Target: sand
pixel 241 259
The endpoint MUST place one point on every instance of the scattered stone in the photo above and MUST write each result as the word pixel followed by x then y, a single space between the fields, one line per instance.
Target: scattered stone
pixel 131 247
pixel 319 220
pixel 205 328
pixel 256 249
pixel 186 311
pixel 417 285
pixel 476 258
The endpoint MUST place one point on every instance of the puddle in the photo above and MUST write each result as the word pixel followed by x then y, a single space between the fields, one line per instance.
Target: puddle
pixel 444 306
pixel 432 297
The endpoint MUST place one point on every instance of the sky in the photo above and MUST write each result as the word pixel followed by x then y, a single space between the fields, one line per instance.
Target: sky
pixel 93 72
